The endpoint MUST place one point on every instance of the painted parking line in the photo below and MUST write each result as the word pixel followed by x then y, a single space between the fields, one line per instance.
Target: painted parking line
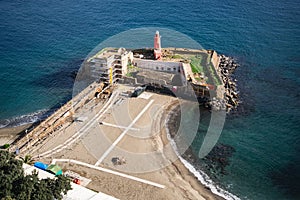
pixel 109 171
pixel 82 130
pixel 123 133
pixel 117 126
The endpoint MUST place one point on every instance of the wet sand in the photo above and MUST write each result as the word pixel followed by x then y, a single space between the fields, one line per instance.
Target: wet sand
pixel 10 134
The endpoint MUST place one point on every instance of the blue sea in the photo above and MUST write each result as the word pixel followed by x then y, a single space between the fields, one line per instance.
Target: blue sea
pixel 42 44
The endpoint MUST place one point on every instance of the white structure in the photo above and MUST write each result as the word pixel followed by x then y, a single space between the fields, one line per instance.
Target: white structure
pixel 157 65
pixel 110 65
pixel 77 193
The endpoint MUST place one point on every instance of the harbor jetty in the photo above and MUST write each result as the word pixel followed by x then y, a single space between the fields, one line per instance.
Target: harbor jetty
pixel 227 67
pixel 230 101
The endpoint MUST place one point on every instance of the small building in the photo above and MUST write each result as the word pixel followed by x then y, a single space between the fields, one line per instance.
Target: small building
pixel 158 65
pixel 110 65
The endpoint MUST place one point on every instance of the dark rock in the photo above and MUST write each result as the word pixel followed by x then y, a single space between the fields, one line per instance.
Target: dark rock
pixel 227 66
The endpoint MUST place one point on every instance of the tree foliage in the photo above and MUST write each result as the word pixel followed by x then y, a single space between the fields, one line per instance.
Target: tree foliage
pixel 27 159
pixel 14 184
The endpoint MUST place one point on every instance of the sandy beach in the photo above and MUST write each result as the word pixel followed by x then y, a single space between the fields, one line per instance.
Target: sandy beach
pixel 8 135
pixel 141 138
pixel 180 183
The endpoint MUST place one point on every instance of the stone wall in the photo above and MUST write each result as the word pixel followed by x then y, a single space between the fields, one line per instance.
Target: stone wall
pixel 129 80
pixel 215 60
pixel 172 67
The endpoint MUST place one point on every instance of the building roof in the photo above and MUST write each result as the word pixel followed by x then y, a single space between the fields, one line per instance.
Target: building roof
pixel 55 169
pixel 81 193
pixel 28 169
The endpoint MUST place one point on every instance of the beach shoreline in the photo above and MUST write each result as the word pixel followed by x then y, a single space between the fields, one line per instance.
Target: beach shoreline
pixel 200 177
pixel 179 164
pixel 8 135
pixel 175 176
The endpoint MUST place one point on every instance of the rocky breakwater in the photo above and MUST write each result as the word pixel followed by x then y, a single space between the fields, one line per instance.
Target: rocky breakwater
pixel 225 70
pixel 227 66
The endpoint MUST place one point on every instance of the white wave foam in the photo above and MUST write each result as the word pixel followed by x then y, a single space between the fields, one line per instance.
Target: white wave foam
pixel 201 176
pixel 24 119
pixel 4 123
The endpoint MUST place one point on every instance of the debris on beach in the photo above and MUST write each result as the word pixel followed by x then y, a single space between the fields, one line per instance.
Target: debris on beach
pixel 118 160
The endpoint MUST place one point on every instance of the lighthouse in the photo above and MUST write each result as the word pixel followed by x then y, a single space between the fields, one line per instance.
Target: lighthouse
pixel 157 46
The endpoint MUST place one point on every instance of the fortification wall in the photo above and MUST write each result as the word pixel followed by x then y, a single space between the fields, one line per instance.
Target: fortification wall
pixel 157 65
pixel 215 60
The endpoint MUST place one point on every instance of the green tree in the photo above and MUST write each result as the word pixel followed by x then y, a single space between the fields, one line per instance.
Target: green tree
pixel 27 159
pixel 7 198
pixel 15 185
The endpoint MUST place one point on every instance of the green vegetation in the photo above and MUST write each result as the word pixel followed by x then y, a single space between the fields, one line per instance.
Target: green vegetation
pixel 208 60
pixel 198 79
pixel 131 66
pixel 196 64
pixel 214 75
pixel 5 146
pixel 201 64
pixel 27 159
pixel 176 56
pixel 15 185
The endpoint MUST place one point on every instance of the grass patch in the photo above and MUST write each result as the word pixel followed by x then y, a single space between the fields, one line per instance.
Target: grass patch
pixel 214 75
pixel 196 64
pixel 132 67
pixel 176 56
pixel 198 79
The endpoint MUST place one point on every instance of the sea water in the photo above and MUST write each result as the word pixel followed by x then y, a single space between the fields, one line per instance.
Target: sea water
pixel 44 42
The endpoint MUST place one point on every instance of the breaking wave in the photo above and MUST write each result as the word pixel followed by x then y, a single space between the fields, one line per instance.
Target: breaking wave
pixel 201 176
pixel 24 119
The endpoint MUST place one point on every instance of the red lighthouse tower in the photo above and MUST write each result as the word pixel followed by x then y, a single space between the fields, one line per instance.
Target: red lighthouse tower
pixel 157 46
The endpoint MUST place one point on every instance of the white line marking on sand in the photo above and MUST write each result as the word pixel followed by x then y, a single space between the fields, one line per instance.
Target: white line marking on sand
pixel 82 130
pixel 123 134
pixel 116 126
pixel 109 171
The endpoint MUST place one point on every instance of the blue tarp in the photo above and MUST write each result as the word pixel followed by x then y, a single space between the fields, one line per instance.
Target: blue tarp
pixel 41 165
